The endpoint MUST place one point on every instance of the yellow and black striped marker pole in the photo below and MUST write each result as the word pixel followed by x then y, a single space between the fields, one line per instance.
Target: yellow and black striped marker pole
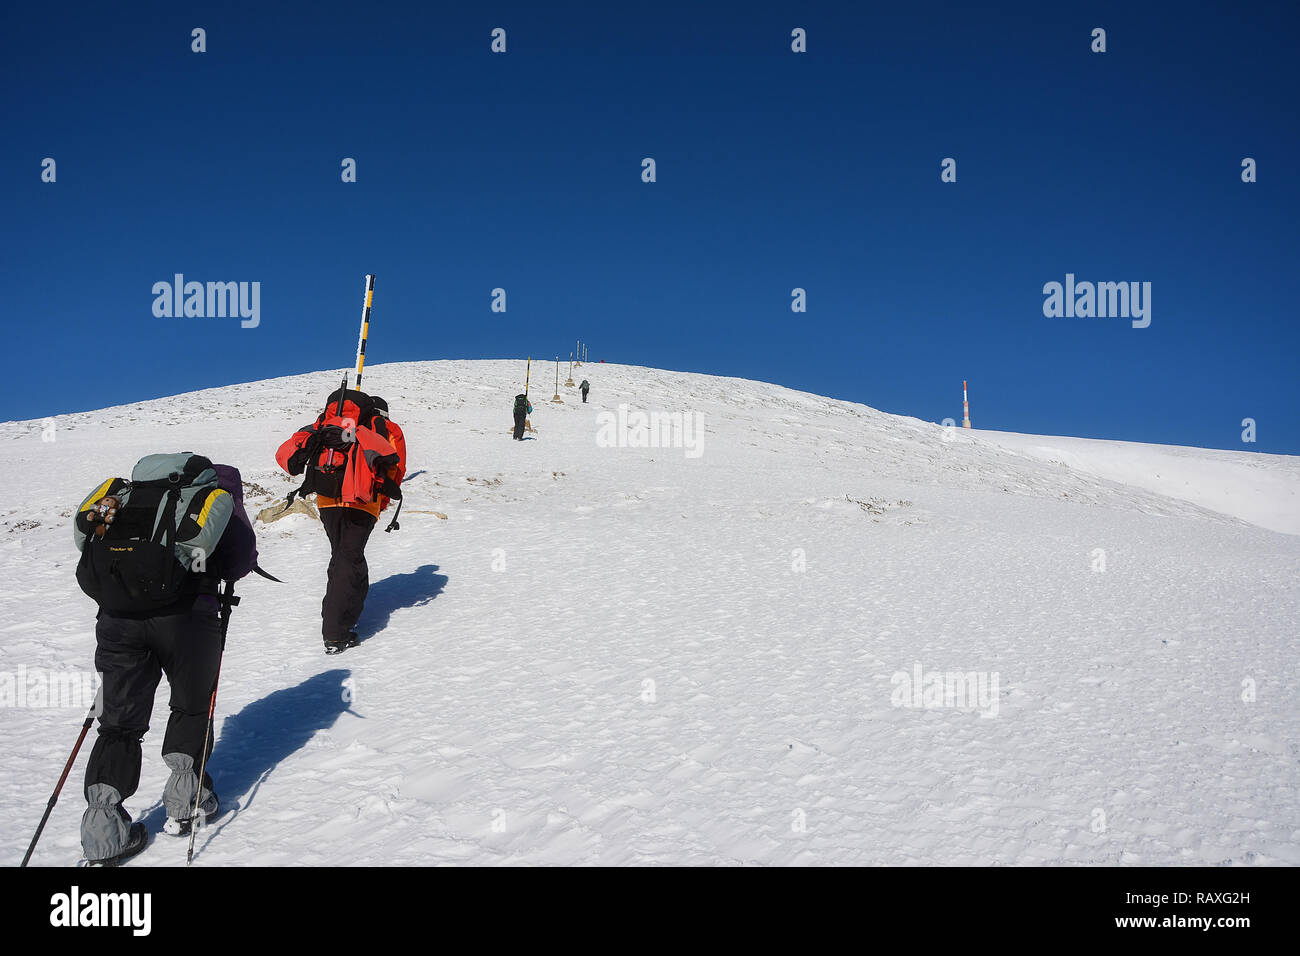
pixel 365 328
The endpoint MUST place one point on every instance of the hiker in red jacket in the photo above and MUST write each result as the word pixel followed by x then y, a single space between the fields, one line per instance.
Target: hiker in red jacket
pixel 354 460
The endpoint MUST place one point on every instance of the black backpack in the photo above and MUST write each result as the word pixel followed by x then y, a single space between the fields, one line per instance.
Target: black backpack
pixel 322 473
pixel 521 403
pixel 136 565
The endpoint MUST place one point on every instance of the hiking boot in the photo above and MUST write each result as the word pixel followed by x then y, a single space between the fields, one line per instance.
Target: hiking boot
pixel 339 646
pixel 181 826
pixel 137 839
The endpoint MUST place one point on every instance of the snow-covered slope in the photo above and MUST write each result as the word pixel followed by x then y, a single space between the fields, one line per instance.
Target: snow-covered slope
pixel 632 655
pixel 1261 489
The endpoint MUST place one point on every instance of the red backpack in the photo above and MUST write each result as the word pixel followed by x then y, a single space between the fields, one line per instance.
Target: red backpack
pixel 341 455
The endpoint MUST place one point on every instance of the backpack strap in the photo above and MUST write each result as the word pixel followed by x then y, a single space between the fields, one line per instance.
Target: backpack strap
pixel 228 599
pixel 288 502
pixel 389 488
pixel 270 577
pixel 393 525
pixel 165 532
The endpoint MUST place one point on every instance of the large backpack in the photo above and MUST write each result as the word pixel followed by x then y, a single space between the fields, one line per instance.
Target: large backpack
pixel 237 555
pixel 344 454
pixel 521 403
pixel 170 518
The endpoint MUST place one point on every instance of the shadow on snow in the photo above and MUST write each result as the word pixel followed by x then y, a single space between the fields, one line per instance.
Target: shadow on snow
pixel 397 591
pixel 256 740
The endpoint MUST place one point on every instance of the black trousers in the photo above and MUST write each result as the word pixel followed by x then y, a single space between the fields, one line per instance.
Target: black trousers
pixel 521 416
pixel 133 654
pixel 584 396
pixel 349 576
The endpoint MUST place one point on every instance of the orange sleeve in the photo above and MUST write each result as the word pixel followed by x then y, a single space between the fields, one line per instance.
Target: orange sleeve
pixel 286 451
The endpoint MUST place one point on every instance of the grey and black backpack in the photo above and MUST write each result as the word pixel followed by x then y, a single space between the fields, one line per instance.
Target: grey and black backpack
pixel 170 517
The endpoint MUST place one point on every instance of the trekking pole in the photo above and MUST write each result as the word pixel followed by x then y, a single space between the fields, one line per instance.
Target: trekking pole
pixel 365 328
pixel 228 600
pixel 49 808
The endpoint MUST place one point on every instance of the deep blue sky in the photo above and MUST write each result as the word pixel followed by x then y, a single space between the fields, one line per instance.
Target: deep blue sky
pixel 775 170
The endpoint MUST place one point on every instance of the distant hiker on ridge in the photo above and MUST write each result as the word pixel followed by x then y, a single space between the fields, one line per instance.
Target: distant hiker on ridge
pixel 523 408
pixel 348 460
pixel 586 387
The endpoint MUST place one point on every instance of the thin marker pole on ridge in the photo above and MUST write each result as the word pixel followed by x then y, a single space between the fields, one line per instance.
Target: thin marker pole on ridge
pixel 528 371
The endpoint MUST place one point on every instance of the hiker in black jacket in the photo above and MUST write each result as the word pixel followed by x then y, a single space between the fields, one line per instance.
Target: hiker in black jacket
pixel 586 387
pixel 523 408
pixel 135 646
